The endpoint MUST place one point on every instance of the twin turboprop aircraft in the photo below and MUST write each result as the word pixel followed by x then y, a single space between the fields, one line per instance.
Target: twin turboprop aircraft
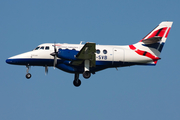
pixel 90 58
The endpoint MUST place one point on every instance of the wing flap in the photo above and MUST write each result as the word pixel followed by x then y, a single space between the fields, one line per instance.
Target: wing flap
pixel 76 63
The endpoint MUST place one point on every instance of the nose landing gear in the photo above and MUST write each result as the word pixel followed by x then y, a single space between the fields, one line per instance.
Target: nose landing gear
pixel 28 75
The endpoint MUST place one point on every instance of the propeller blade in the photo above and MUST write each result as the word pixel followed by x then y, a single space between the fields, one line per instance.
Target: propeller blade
pixel 55 55
pixel 46 70
pixel 55 61
pixel 55 50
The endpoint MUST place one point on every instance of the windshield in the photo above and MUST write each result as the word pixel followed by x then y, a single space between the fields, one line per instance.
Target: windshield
pixel 37 48
pixel 42 48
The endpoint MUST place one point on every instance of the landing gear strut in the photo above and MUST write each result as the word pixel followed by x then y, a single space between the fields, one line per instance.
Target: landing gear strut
pixel 76 81
pixel 28 75
pixel 86 73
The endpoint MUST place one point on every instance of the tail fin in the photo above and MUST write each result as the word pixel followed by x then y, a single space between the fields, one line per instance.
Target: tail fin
pixel 152 44
pixel 157 37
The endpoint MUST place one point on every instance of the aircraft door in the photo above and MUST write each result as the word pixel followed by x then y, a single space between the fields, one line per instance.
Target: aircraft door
pixel 118 55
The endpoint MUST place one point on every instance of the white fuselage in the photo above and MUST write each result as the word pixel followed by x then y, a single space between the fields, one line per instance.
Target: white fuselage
pixel 103 53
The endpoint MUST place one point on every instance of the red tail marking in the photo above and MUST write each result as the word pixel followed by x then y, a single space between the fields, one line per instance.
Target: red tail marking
pixel 141 40
pixel 150 36
pixel 132 47
pixel 161 34
pixel 155 33
pixel 167 33
pixel 140 52
pixel 155 59
pixel 144 53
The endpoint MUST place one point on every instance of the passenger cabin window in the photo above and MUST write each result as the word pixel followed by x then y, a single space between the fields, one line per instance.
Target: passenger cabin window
pixel 42 48
pixel 47 48
pixel 105 51
pixel 37 48
pixel 97 51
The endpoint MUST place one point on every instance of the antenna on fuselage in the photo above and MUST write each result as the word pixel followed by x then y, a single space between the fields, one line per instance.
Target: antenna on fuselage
pixel 81 42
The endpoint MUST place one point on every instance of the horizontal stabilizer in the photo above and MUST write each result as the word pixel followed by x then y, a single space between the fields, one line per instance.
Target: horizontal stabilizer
pixel 152 40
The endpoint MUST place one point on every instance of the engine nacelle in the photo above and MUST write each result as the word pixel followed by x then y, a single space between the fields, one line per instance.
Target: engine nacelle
pixel 67 54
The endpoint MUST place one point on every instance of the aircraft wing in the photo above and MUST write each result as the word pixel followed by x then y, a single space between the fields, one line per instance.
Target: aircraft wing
pixel 86 53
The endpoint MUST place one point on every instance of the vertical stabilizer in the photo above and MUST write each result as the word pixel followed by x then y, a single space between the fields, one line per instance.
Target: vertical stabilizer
pixel 152 44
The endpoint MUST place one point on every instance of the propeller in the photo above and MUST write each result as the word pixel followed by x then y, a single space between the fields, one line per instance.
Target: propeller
pixel 46 70
pixel 55 55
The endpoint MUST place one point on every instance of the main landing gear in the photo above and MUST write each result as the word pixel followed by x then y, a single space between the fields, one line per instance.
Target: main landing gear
pixel 86 74
pixel 28 75
pixel 76 81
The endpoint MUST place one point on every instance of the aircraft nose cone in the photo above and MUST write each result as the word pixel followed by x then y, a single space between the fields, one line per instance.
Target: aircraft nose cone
pixel 9 61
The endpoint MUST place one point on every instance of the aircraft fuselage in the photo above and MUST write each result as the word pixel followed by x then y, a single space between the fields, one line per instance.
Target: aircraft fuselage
pixel 89 58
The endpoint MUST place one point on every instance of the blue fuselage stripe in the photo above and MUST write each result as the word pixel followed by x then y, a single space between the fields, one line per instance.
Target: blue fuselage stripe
pixel 100 65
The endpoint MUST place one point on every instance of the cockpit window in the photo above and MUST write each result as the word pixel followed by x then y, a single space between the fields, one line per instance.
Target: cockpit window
pixel 47 48
pixel 37 48
pixel 42 48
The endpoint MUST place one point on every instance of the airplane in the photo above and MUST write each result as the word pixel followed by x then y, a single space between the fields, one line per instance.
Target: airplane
pixel 89 58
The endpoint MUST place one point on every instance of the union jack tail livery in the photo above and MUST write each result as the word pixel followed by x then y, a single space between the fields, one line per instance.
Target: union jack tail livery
pixel 152 44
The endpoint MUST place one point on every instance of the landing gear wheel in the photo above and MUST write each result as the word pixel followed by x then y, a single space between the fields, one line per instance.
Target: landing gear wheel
pixel 86 74
pixel 77 83
pixel 28 75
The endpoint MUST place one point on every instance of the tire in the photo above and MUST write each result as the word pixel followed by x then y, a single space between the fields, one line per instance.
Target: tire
pixel 77 83
pixel 86 74
pixel 28 75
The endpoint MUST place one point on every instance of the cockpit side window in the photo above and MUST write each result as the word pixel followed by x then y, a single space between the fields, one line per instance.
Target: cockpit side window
pixel 47 48
pixel 42 48
pixel 37 48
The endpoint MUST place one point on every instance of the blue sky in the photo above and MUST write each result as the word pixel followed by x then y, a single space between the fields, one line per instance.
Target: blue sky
pixel 131 93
